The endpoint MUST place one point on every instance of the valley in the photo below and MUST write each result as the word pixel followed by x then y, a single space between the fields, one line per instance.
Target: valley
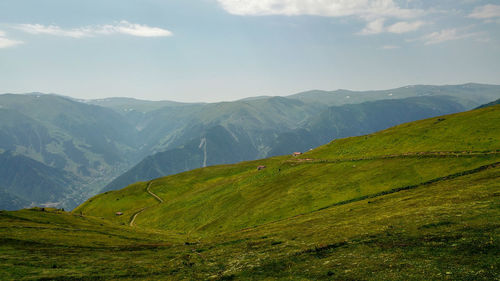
pixel 415 201
pixel 342 140
pixel 93 146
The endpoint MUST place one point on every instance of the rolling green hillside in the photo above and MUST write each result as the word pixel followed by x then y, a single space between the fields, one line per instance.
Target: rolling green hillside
pixel 227 198
pixel 219 133
pixel 216 146
pixel 360 119
pixel 114 142
pixel 249 136
pixel 418 201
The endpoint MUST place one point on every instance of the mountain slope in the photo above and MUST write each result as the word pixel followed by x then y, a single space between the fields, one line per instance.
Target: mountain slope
pixel 92 143
pixel 34 182
pixel 490 103
pixel 216 146
pixel 215 134
pixel 470 95
pixel 11 202
pixel 226 198
pixel 364 118
pixel 99 143
pixel 231 146
pixel 409 221
pixel 447 229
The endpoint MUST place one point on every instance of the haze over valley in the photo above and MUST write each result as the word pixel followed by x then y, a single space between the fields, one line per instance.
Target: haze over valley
pixel 78 148
pixel 249 140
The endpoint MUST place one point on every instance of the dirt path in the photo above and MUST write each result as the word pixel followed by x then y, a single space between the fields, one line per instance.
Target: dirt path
pixel 152 194
pixel 135 216
pixel 148 190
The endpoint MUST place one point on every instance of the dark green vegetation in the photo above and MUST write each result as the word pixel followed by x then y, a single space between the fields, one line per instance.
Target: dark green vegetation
pixel 360 119
pixel 63 139
pixel 277 126
pixel 34 181
pixel 227 198
pixel 101 143
pixel 11 201
pixel 419 201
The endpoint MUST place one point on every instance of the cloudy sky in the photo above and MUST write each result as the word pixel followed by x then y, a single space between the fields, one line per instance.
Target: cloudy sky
pixel 212 50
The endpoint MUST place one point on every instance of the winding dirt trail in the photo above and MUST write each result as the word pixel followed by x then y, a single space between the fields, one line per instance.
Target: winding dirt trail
pixel 148 190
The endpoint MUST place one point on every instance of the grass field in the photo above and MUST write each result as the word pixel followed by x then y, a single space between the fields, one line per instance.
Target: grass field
pixel 402 204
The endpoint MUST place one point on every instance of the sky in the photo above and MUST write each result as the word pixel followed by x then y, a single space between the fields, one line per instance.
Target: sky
pixel 220 50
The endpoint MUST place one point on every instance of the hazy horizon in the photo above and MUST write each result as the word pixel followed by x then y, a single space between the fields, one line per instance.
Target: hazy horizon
pixel 224 50
pixel 237 99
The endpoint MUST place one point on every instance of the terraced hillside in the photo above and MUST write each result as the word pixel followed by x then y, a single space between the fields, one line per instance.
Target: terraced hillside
pixel 415 202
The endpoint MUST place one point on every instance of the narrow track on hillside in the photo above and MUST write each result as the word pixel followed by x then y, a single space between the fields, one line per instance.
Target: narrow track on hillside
pixel 426 154
pixel 148 190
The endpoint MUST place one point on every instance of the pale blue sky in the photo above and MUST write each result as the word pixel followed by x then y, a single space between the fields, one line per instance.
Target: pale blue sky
pixel 212 50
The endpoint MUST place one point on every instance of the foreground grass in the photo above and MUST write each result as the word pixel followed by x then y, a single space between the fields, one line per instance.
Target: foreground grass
pixel 227 198
pixel 446 230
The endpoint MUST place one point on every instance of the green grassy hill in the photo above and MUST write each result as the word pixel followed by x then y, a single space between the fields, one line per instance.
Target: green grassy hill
pixel 102 142
pixel 417 201
pixel 245 133
pixel 227 198
pixel 360 119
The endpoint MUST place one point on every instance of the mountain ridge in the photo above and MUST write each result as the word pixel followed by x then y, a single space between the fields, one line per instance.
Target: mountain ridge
pixel 415 201
pixel 98 144
pixel 226 198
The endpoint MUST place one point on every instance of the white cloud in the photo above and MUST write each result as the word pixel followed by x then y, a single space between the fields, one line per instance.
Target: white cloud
pixel 486 12
pixel 390 47
pixel 446 35
pixel 377 26
pixel 53 30
pixel 374 12
pixel 6 42
pixel 373 27
pixel 122 27
pixel 329 8
pixel 403 26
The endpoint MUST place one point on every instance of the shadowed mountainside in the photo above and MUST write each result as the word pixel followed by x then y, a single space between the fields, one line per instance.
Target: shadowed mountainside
pixel 418 201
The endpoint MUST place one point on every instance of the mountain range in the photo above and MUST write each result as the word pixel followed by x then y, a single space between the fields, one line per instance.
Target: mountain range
pixel 417 201
pixel 106 144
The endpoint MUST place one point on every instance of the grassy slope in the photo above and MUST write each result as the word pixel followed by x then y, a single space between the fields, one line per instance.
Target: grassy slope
pixel 131 200
pixel 476 130
pixel 447 230
pixel 227 198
